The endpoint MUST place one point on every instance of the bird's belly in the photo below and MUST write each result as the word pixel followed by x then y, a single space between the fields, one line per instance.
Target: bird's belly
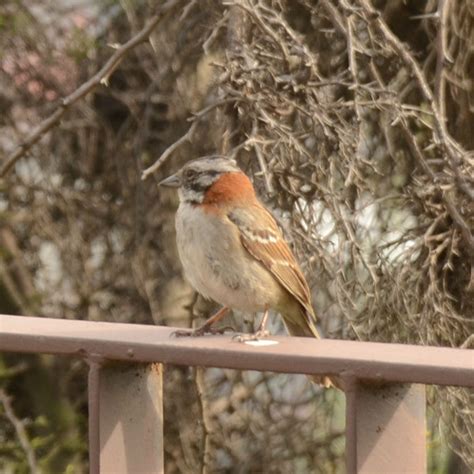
pixel 217 265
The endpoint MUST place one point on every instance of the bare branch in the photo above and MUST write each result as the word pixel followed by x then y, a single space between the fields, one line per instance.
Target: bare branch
pixel 404 53
pixel 20 431
pixel 442 57
pixel 100 77
pixel 170 150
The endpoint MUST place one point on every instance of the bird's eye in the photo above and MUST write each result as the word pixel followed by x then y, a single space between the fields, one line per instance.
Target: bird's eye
pixel 189 174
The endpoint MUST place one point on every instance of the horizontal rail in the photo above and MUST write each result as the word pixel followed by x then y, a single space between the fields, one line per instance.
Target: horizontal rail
pixel 141 343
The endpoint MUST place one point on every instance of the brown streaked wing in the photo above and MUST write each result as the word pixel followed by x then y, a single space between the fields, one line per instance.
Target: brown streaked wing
pixel 263 239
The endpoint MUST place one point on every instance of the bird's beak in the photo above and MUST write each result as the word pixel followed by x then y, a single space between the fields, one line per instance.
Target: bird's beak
pixel 173 181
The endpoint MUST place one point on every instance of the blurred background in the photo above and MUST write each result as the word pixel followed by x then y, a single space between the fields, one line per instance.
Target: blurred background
pixel 355 121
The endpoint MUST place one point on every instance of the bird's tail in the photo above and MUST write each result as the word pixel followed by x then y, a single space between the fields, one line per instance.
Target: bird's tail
pixel 301 325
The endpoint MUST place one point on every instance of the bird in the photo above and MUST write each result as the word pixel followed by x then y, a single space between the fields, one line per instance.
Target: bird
pixel 233 251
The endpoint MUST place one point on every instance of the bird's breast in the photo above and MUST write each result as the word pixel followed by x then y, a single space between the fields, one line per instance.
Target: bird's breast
pixel 217 265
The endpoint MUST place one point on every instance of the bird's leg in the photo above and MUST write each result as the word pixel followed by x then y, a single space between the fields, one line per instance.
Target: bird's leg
pixel 260 333
pixel 206 328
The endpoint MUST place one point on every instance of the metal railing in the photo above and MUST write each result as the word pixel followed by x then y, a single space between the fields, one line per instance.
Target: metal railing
pixel 385 411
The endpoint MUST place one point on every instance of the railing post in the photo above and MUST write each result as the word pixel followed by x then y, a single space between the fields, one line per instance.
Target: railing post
pixel 386 430
pixel 94 414
pixel 130 418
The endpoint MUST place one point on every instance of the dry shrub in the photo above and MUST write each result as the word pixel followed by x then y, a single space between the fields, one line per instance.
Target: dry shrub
pixel 355 122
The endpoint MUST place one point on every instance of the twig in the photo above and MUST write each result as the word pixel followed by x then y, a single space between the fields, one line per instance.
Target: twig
pixel 188 136
pixel 418 154
pixel 262 163
pixel 187 9
pixel 444 137
pixel 253 11
pixel 453 150
pixel 353 67
pixel 451 208
pixel 442 57
pixel 337 19
pixel 100 77
pixel 206 110
pixel 20 431
pixel 169 151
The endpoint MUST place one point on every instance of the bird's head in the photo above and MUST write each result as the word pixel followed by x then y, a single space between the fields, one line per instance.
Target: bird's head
pixel 210 180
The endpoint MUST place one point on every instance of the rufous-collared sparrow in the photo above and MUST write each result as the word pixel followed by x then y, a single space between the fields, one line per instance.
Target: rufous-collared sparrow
pixel 233 251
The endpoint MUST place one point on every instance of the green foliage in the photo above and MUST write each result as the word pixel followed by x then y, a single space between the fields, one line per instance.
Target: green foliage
pixel 56 435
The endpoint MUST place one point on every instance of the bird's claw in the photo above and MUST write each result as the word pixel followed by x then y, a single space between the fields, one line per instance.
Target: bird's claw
pixel 202 331
pixel 251 337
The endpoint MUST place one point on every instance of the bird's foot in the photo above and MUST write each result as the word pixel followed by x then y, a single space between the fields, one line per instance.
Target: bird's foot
pixel 201 331
pixel 256 336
